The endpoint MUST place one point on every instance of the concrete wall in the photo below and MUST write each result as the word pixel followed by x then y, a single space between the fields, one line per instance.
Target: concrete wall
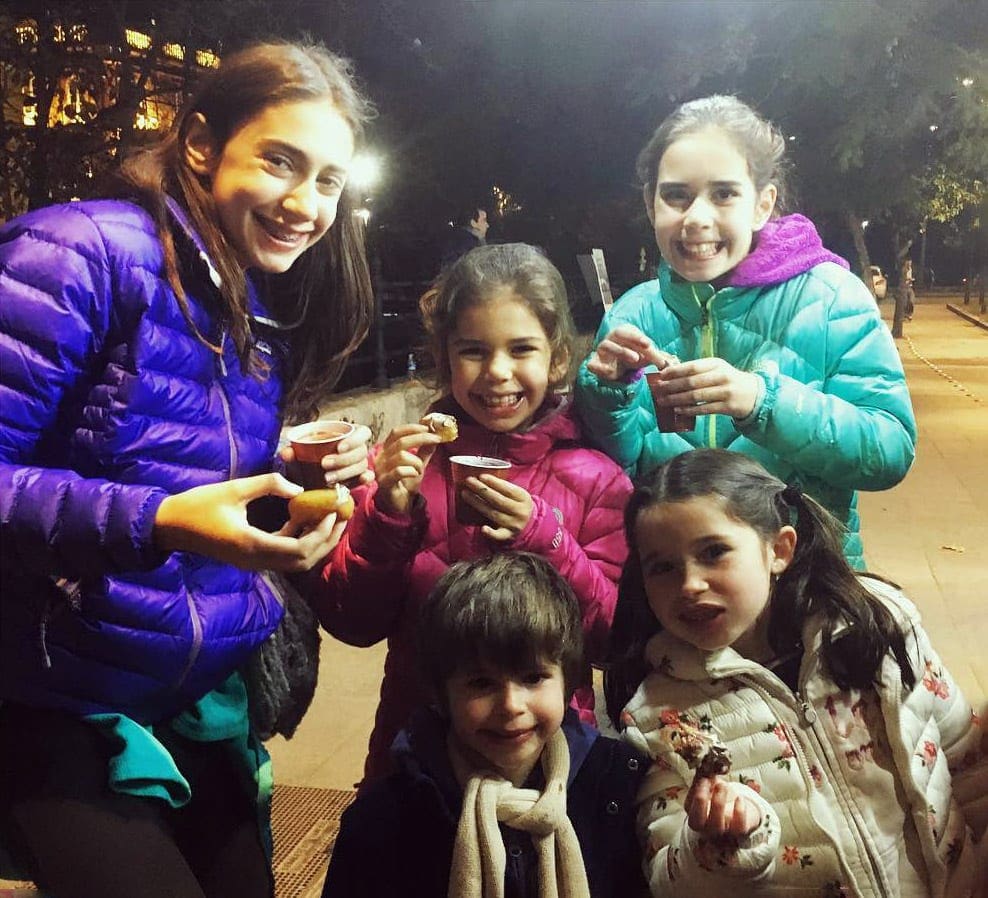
pixel 380 409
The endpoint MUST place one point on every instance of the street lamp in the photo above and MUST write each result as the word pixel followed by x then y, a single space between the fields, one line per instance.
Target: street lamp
pixel 365 173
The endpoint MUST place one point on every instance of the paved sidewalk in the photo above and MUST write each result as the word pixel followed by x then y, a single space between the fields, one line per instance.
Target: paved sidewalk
pixel 930 533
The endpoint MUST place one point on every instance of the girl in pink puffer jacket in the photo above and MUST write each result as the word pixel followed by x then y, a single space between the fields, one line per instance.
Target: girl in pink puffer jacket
pixel 501 333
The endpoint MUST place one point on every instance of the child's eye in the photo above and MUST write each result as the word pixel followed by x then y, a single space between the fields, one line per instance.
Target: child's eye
pixel 724 194
pixel 278 163
pixel 534 677
pixel 523 350
pixel 657 568
pixel 676 197
pixel 714 551
pixel 331 184
pixel 480 684
pixel 471 352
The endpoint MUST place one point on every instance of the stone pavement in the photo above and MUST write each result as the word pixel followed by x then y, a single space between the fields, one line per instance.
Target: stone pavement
pixel 929 534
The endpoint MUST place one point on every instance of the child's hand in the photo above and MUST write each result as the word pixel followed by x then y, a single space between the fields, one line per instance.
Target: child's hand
pixel 717 808
pixel 709 387
pixel 349 462
pixel 211 520
pixel 507 506
pixel 400 465
pixel 625 349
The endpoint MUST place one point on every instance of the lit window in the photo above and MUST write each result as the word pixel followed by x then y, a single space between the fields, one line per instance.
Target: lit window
pixel 137 39
pixel 175 51
pixel 207 59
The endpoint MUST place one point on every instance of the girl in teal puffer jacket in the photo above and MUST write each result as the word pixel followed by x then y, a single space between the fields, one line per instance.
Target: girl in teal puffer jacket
pixel 760 337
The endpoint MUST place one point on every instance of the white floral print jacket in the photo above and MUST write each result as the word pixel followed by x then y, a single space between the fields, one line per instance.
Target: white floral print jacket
pixel 814 839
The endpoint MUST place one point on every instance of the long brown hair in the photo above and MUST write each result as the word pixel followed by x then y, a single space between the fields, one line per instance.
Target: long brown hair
pixel 327 292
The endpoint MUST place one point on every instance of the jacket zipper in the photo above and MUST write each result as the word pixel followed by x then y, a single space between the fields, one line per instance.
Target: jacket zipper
pixel 193 611
pixel 708 350
pixel 808 715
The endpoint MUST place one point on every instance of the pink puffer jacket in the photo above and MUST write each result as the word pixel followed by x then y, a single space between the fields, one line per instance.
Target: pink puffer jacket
pixel 385 565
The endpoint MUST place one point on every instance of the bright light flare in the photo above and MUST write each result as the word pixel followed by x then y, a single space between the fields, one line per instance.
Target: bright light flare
pixel 366 171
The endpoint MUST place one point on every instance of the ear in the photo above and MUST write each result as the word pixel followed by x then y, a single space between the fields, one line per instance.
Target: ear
pixel 200 147
pixel 648 197
pixel 559 368
pixel 783 549
pixel 765 206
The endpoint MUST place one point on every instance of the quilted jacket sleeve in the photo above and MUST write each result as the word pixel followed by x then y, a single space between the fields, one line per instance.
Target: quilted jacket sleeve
pixel 679 861
pixel 57 303
pixel 617 417
pixel 588 553
pixel 858 431
pixel 360 593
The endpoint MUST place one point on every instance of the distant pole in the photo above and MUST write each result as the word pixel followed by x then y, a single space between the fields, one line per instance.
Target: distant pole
pixel 380 355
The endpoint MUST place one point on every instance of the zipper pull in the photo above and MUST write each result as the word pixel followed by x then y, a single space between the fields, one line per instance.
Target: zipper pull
pixel 806 709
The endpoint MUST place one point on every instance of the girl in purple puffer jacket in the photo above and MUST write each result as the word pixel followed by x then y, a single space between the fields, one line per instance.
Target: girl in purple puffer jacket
pixel 501 333
pixel 149 350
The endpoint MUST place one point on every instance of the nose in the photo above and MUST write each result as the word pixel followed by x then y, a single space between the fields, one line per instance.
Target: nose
pixel 499 366
pixel 512 699
pixel 302 202
pixel 694 580
pixel 699 215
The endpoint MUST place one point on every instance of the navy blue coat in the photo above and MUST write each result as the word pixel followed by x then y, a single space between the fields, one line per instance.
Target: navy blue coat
pixel 397 837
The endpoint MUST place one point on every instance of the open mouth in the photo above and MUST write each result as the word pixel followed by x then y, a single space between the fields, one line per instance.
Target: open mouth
pixel 699 252
pixel 282 235
pixel 507 402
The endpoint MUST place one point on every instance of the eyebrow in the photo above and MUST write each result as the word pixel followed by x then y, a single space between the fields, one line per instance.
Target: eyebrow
pixel 512 342
pixel 666 184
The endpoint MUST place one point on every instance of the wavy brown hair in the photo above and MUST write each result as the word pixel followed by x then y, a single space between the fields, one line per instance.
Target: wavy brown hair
pixel 326 295
pixel 476 278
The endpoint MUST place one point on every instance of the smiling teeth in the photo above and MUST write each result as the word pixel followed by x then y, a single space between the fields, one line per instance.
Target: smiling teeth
pixel 500 401
pixel 701 250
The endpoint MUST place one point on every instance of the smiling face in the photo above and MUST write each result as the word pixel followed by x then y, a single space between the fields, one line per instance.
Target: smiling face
pixel 277 181
pixel 706 208
pixel 504 719
pixel 500 362
pixel 707 575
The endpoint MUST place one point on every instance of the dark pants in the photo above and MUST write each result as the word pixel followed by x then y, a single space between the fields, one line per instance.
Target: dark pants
pixel 78 839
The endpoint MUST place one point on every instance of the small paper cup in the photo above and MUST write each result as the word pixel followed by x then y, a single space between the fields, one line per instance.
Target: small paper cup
pixel 311 442
pixel 464 466
pixel 665 415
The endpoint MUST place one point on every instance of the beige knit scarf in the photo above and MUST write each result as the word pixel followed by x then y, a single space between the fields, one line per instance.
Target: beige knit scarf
pixel 478 853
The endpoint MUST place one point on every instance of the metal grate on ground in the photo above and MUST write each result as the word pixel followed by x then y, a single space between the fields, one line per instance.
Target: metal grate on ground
pixel 305 822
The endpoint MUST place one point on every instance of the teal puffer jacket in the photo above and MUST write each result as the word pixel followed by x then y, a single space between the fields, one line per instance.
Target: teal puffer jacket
pixel 834 416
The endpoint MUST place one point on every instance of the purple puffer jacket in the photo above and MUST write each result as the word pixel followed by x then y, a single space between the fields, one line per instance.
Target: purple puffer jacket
pixel 109 402
pixel 384 566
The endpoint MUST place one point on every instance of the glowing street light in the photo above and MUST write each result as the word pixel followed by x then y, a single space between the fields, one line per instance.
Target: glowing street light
pixel 366 171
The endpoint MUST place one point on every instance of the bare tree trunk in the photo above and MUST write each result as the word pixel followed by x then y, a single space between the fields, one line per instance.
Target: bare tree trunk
pixel 864 260
pixel 901 250
pixel 921 283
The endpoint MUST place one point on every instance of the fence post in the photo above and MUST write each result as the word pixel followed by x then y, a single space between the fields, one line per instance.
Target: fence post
pixel 381 358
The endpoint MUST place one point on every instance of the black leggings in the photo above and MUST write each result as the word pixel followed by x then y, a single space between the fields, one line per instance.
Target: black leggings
pixel 78 839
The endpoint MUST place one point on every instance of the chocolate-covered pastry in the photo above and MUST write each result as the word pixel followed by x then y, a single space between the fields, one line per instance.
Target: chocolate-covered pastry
pixel 444 426
pixel 716 762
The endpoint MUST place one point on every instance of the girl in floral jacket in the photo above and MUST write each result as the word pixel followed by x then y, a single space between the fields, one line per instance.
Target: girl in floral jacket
pixel 852 759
